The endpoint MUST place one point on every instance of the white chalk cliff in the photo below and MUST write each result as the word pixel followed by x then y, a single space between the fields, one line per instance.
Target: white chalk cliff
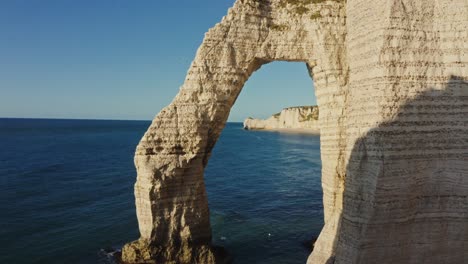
pixel 390 79
pixel 299 118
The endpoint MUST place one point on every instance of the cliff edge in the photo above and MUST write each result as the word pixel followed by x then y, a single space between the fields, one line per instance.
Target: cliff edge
pixel 391 81
pixel 298 118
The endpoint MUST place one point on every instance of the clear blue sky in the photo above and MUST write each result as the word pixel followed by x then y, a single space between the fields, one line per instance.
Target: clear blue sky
pixel 113 59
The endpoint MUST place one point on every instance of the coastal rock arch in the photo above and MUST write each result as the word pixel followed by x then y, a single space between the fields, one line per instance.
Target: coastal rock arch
pixel 171 201
pixel 378 69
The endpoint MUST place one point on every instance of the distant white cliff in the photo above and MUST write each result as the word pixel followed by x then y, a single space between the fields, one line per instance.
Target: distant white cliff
pixel 299 118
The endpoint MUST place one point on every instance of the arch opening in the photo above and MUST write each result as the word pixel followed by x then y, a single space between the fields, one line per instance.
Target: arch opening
pixel 264 188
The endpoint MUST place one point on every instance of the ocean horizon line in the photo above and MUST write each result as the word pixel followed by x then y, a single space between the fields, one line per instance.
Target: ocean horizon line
pixel 88 119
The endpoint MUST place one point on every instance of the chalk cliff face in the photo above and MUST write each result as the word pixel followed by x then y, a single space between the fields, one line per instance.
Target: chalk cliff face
pixel 301 118
pixel 391 82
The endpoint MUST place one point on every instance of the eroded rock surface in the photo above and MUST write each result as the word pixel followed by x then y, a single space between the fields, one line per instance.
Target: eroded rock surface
pixel 391 83
pixel 298 118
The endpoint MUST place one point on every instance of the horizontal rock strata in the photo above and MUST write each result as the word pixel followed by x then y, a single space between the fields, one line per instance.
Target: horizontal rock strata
pixel 390 78
pixel 299 118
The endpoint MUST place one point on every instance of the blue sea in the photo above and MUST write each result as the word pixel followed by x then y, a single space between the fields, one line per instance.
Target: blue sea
pixel 66 189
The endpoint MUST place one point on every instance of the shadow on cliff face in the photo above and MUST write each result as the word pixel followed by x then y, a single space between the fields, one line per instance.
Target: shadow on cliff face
pixel 406 185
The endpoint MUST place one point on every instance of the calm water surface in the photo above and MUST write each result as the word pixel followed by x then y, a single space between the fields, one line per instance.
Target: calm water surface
pixel 66 189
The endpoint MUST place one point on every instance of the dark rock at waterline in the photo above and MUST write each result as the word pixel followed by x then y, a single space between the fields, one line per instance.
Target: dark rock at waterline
pixel 309 244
